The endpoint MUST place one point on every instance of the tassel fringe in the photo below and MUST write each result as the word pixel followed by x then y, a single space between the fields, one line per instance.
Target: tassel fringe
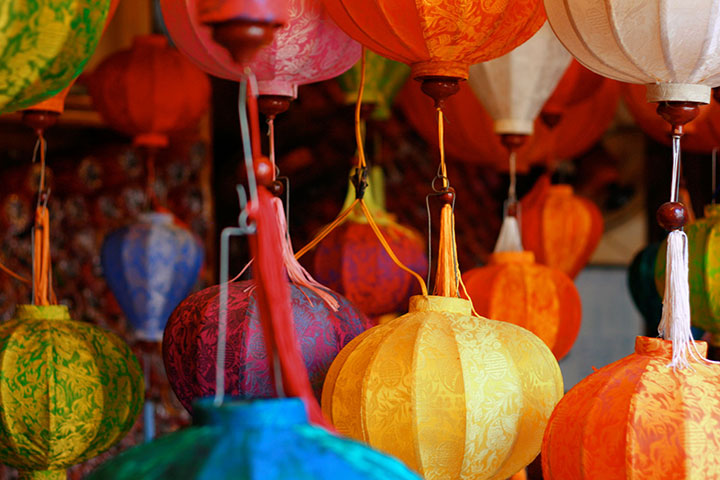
pixel 447 277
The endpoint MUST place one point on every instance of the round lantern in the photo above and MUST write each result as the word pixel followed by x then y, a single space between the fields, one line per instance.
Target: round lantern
pixel 472 137
pixel 383 80
pixel 45 47
pixel 150 266
pixel 149 91
pixel 702 135
pixel 665 46
pixel 638 418
pixel 258 440
pixel 439 39
pixel 703 271
pixel 514 87
pixel 190 341
pixel 351 260
pixel 562 229
pixel 68 391
pixel 448 393
pixel 513 288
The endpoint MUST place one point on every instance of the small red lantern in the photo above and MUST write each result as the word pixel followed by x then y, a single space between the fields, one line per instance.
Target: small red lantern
pixel 149 91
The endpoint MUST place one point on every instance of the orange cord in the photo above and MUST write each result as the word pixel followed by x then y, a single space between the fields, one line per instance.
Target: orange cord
pixel 14 275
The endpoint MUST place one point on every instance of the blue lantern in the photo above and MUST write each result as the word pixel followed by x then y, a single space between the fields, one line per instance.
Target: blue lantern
pixel 150 267
pixel 252 440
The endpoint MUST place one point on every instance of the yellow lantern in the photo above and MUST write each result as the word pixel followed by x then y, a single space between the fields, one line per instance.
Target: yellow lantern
pixel 451 394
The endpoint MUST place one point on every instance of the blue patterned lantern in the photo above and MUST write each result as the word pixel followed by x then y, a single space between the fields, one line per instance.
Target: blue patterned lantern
pixel 150 267
pixel 253 440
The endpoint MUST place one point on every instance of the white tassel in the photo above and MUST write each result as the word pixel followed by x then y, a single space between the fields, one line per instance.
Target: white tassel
pixel 509 239
pixel 675 322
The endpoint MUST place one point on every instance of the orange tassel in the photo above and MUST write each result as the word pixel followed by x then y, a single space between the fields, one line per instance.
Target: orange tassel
pixel 447 277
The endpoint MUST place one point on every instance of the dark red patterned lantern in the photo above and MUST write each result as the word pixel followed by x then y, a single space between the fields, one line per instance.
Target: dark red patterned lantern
pixel 190 341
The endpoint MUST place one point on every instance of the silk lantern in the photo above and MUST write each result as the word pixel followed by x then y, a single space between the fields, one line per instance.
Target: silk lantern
pixel 562 229
pixel 268 440
pixel 351 261
pixel 150 266
pixel 665 46
pixel 472 138
pixel 149 91
pixel 637 418
pixel 513 288
pixel 189 345
pixel 448 393
pixel 702 236
pixel 383 80
pixel 68 391
pixel 513 88
pixel 46 47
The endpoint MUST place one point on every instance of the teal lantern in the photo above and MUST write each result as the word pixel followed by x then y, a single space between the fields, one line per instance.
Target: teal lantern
pixel 252 440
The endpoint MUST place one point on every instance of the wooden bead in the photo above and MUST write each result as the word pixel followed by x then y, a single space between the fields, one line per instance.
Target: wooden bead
pixel 513 141
pixel 39 120
pixel 448 196
pixel 672 215
pixel 272 105
pixel 439 88
pixel 243 38
pixel 264 171
pixel 277 188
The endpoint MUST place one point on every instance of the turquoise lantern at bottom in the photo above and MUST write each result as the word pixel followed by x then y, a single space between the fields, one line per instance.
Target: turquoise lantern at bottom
pixel 252 440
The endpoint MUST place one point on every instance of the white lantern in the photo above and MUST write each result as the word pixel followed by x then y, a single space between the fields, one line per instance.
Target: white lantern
pixel 513 88
pixel 670 46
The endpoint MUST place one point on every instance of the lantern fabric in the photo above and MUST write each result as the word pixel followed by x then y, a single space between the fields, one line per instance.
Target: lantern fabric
pixel 190 342
pixel 664 45
pixel 150 266
pixel 438 38
pixel 149 91
pixel 513 288
pixel 638 418
pixel 383 80
pixel 448 393
pixel 68 391
pixel 216 11
pixel 562 229
pixel 258 440
pixel 514 87
pixel 577 84
pixel 472 137
pixel 703 267
pixel 701 135
pixel 351 260
pixel 45 47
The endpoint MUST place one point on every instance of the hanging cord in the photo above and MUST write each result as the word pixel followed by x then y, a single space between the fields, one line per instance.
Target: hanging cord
pixel 43 293
pixel 360 182
pixel 150 195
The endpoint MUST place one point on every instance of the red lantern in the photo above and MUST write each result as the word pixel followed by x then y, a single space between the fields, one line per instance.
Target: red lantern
pixel 149 91
pixel 577 84
pixel 561 228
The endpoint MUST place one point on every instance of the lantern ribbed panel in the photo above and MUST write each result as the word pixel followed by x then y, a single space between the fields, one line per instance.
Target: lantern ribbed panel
pixel 68 390
pixel 638 419
pixel 703 271
pixel 562 229
pixel 190 341
pixel 513 288
pixel 654 42
pixel 438 38
pixel 149 91
pixel 514 87
pixel 448 393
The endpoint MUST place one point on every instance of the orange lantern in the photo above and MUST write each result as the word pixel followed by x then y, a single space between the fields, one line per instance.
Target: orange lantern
pixel 513 288
pixel 700 136
pixel 149 91
pixel 439 39
pixel 472 138
pixel 561 228
pixel 638 419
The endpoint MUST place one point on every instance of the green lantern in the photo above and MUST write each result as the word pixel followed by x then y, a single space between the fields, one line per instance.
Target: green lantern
pixel 44 45
pixel 383 80
pixel 68 391
pixel 704 271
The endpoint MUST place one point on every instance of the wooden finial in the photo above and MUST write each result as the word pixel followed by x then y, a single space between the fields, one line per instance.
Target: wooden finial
pixel 448 196
pixel 678 114
pixel 272 105
pixel 672 216
pixel 439 88
pixel 243 38
pixel 39 120
pixel 513 141
pixel 264 171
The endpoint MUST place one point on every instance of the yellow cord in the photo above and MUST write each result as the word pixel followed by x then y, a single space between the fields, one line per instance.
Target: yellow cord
pixel 441 146
pixel 358 106
pixel 326 231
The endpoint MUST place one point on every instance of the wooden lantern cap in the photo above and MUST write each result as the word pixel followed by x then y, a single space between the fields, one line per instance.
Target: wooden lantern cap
pixel 243 38
pixel 678 114
pixel 513 141
pixel 273 105
pixel 39 120
pixel 439 88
